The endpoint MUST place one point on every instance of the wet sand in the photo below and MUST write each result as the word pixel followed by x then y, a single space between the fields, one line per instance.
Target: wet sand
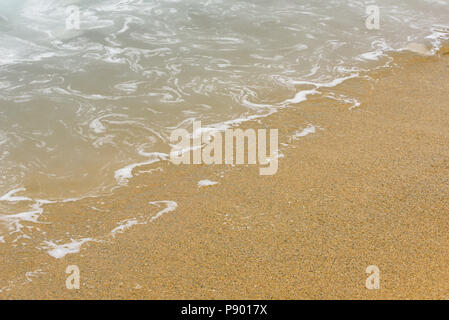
pixel 369 187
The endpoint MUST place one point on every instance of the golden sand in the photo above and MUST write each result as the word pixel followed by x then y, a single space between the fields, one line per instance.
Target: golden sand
pixel 369 188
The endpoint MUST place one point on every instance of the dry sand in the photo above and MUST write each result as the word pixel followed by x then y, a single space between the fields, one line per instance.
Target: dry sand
pixel 369 188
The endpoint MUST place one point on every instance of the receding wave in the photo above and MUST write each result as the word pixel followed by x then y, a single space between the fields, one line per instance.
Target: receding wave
pixel 80 109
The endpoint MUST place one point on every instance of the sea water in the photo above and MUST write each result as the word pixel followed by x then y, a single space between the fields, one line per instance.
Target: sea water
pixel 83 104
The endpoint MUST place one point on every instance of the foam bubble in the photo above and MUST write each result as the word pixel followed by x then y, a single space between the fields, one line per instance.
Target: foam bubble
pixel 310 129
pixel 206 183
pixel 11 198
pixel 122 175
pixel 59 251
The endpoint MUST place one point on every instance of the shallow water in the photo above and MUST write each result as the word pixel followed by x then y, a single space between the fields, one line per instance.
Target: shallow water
pixel 79 108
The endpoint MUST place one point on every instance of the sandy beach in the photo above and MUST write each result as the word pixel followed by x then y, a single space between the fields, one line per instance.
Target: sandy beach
pixel 369 186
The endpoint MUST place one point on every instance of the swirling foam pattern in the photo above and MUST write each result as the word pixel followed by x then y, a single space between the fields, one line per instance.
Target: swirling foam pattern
pixel 78 105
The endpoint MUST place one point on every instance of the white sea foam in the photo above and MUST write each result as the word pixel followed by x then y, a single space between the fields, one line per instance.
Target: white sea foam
pixel 122 175
pixel 20 281
pixel 170 206
pixel 347 100
pixel 33 274
pixel 310 129
pixel 332 83
pixel 206 183
pixel 59 251
pixel 129 223
pixel 14 221
pixel 10 198
pixel 138 69
pixel 97 126
pixel 299 97
pixel 4 140
pixel 124 225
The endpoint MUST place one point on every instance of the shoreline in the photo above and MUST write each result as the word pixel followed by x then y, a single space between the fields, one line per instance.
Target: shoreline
pixel 368 187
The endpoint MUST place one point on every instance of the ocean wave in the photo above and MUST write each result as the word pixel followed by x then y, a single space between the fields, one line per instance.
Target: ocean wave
pixel 87 107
